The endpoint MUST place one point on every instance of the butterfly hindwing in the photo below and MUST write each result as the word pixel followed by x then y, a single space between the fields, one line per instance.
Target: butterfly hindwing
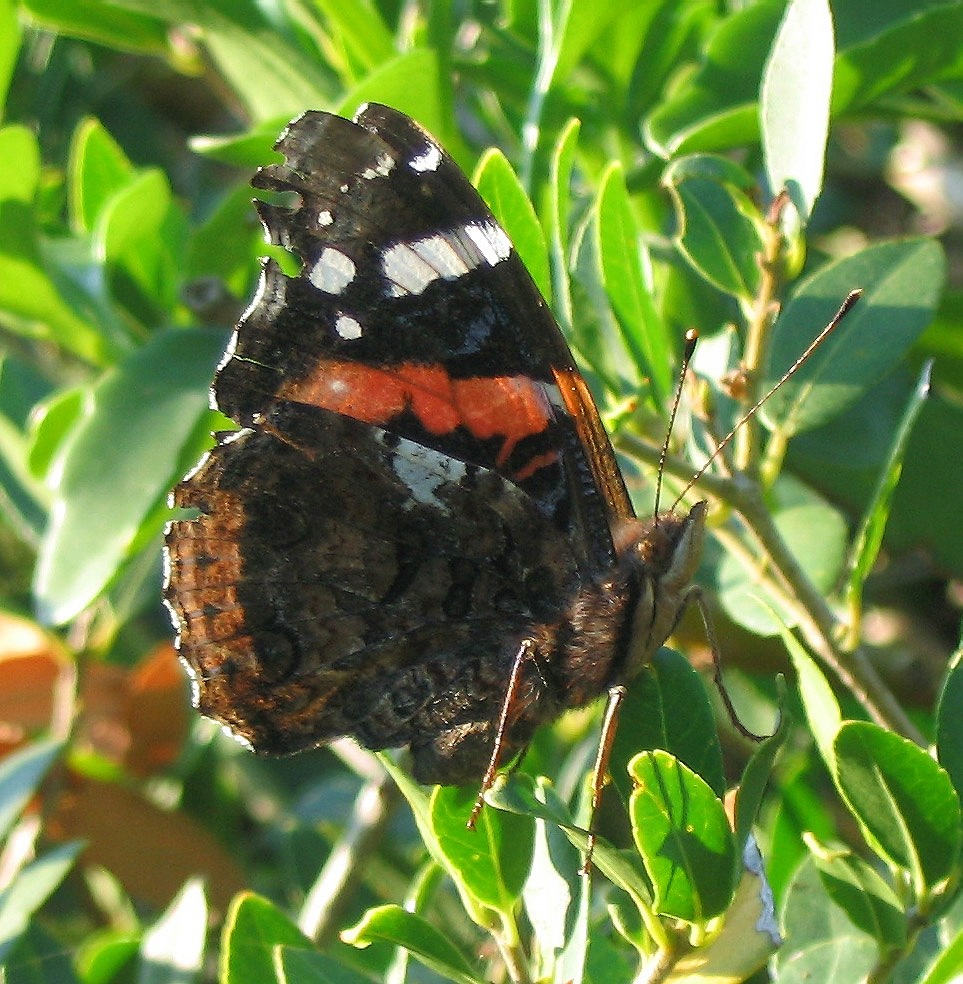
pixel 384 602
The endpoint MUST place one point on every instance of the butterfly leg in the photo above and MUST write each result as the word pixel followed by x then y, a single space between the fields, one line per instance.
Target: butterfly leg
pixel 524 652
pixel 694 596
pixel 600 773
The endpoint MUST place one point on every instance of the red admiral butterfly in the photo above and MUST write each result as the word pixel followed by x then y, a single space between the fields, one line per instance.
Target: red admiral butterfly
pixel 420 536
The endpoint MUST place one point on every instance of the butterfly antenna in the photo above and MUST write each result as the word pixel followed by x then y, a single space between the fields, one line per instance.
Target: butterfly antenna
pixel 691 338
pixel 844 309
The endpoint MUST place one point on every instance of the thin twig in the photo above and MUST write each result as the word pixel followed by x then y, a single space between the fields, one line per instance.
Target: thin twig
pixel 332 890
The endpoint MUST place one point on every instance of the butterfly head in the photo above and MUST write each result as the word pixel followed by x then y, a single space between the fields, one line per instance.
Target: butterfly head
pixel 663 555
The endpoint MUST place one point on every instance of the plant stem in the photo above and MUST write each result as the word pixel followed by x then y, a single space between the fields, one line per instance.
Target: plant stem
pixel 759 318
pixel 333 889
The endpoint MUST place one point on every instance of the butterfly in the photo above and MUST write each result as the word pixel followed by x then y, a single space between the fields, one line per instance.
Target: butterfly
pixel 420 535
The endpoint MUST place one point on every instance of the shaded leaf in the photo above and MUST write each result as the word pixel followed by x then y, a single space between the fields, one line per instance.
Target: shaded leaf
pixel 869 538
pixel 680 828
pixel 863 895
pixel 903 800
pixel 119 464
pixel 395 925
pixel 253 928
pixel 20 775
pixel 667 707
pixel 794 102
pixel 901 282
pixel 498 184
pixel 491 861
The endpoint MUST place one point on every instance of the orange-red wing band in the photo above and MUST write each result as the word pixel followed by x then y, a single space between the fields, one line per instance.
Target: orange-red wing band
pixel 509 407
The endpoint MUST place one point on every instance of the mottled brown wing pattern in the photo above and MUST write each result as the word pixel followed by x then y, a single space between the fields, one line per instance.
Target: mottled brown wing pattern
pixel 385 600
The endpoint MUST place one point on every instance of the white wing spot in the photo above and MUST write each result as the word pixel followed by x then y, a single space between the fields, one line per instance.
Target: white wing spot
pixel 411 267
pixel 491 240
pixel 325 218
pixel 383 167
pixel 333 271
pixel 424 471
pixel 347 327
pixel 441 253
pixel 427 160
pixel 407 271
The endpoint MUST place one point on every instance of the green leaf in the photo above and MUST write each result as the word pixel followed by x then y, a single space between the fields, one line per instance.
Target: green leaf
pixel 667 707
pixel 33 885
pixel 10 38
pixel 580 25
pixel 949 721
pixel 132 214
pixel 52 421
pixel 360 28
pixel 755 776
pixel 492 861
pixel 816 535
pixel 670 34
pixel 172 950
pixel 559 210
pixel 681 831
pixel 711 167
pixel 419 802
pixel 794 102
pixel 248 149
pixel 715 106
pixel 392 924
pixel 862 894
pixel 98 170
pixel 140 232
pixel 869 538
pixel 30 301
pixel 621 253
pixel 889 48
pixel 119 463
pixel 295 965
pixel 498 184
pixel 904 802
pixel 253 928
pixel 717 234
pixel 226 246
pixel 257 55
pixel 104 957
pixel 821 944
pixel 948 965
pixel 103 23
pixel 20 775
pixel 819 701
pixel 901 282
pixel 881 50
